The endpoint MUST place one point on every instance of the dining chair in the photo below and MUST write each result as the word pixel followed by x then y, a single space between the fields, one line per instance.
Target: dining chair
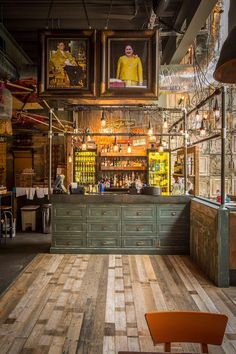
pixel 186 326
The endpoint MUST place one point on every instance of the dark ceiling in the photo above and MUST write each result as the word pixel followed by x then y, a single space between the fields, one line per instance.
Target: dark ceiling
pixel 176 19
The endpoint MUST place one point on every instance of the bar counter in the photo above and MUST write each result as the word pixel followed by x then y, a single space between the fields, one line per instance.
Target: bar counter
pixel 120 223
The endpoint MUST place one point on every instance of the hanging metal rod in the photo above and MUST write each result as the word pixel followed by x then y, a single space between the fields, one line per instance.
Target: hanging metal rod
pixel 199 141
pixel 198 106
pixel 202 103
pixel 120 134
pixel 122 108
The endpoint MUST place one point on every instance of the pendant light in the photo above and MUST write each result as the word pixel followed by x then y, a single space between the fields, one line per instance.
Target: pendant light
pixel 202 128
pixel 129 149
pixel 116 147
pixel 150 130
pixel 84 145
pixel 103 119
pixel 165 124
pixel 216 109
pixel 160 147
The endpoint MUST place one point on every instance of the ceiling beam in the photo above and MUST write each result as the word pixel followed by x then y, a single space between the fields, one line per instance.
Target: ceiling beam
pixel 185 13
pixel 198 20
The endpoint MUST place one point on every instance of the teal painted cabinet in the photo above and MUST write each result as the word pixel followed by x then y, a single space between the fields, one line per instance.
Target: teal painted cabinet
pixel 117 228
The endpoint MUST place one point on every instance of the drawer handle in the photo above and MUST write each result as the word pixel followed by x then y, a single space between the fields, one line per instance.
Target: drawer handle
pixel 103 228
pixel 104 213
pixel 173 213
pixel 107 243
pixel 139 228
pixel 140 243
pixel 139 213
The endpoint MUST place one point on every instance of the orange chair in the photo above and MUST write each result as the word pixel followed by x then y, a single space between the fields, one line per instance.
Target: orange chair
pixel 190 327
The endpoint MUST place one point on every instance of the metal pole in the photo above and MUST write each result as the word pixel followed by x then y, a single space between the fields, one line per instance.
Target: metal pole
pixel 185 150
pixel 50 153
pixel 223 142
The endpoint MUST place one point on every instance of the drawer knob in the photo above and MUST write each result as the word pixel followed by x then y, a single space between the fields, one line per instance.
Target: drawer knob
pixel 104 213
pixel 173 213
pixel 139 228
pixel 140 243
pixel 138 213
pixel 68 228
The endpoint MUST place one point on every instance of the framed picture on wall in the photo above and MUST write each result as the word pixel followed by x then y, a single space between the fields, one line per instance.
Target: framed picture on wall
pixel 129 64
pixel 204 165
pixel 68 63
pixel 215 186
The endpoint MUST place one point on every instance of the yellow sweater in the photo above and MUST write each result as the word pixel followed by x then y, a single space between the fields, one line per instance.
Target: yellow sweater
pixel 59 60
pixel 130 68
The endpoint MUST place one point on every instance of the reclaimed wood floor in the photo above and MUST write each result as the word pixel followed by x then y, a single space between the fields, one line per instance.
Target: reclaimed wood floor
pixel 95 304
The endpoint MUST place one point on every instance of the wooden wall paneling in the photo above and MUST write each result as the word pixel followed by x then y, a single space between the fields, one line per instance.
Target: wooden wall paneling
pixel 209 240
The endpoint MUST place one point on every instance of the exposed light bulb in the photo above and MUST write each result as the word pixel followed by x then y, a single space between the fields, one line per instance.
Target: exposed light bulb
pixel 103 120
pixel 88 138
pixel 160 148
pixel 202 129
pixel 69 158
pixel 165 124
pixel 172 139
pixel 164 143
pixel 181 129
pixel 129 149
pixel 84 146
pixel 150 130
pixel 197 116
pixel 216 109
pixel 116 147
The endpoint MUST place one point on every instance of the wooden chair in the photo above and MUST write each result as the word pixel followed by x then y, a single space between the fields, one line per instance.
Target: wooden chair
pixel 190 327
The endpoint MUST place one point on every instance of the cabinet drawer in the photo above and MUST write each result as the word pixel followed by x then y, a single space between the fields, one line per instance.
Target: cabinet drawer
pixel 69 211
pixel 72 240
pixel 68 227
pixel 138 228
pixel 167 228
pixel 172 212
pixel 136 212
pixel 103 242
pixel 138 242
pixel 105 227
pixel 106 211
pixel 177 242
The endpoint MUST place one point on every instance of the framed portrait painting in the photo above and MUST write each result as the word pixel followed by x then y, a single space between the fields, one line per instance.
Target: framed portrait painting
pixel 68 63
pixel 129 64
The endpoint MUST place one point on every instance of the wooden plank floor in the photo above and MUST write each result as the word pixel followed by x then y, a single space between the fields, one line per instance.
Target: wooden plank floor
pixel 95 304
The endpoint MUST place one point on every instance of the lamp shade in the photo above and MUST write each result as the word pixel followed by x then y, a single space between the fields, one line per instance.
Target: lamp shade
pixel 226 67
